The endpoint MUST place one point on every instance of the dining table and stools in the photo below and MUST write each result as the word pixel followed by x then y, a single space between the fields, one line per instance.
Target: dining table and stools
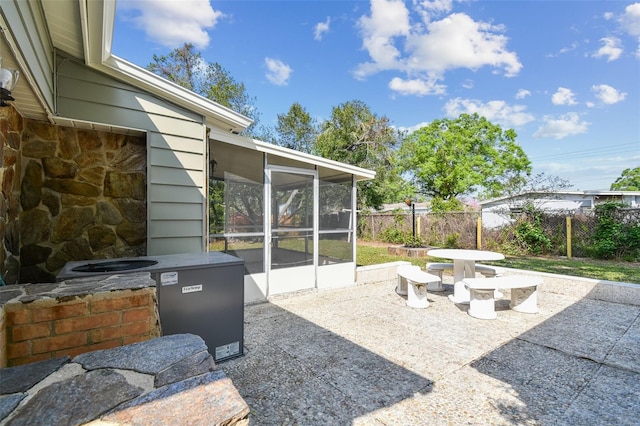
pixel 463 267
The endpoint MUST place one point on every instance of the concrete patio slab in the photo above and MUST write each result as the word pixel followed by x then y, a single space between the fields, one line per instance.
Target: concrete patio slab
pixel 360 356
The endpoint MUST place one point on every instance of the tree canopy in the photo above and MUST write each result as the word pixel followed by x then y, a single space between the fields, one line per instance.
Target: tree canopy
pixel 296 129
pixel 355 135
pixel 186 67
pixel 452 157
pixel 629 180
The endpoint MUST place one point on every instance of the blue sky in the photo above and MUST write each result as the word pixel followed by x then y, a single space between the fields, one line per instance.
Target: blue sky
pixel 565 75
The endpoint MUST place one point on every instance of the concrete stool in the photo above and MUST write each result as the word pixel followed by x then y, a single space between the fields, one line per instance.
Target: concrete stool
pixel 417 282
pixel 401 286
pixel 524 300
pixel 437 269
pixel 524 296
pixel 489 271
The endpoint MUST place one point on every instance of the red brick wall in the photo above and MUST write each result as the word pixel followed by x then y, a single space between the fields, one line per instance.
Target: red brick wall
pixel 50 328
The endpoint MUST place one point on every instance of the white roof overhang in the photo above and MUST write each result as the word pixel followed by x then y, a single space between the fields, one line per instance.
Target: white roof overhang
pixel 84 29
pixel 270 149
pixel 98 17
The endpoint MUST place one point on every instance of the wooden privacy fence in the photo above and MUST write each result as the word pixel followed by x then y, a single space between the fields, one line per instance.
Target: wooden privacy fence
pixel 554 233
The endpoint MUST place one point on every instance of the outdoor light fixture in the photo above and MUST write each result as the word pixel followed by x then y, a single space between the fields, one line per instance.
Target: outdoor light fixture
pixel 8 80
pixel 212 167
pixel 409 202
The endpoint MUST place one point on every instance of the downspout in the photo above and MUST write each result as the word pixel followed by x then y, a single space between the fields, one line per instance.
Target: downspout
pixel 266 226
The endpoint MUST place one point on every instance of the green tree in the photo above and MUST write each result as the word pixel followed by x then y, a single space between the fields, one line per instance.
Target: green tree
pixel 452 157
pixel 296 129
pixel 186 67
pixel 628 181
pixel 355 135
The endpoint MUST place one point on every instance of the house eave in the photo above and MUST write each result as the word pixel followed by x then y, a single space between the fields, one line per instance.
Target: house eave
pixel 98 23
pixel 267 148
pixel 214 113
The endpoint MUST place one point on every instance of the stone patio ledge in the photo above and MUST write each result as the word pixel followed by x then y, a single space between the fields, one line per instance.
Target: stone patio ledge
pixel 167 380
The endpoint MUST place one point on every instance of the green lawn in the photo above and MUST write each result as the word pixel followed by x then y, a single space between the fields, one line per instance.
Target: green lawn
pixel 369 254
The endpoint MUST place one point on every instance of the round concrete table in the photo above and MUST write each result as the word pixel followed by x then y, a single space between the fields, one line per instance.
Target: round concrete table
pixel 464 262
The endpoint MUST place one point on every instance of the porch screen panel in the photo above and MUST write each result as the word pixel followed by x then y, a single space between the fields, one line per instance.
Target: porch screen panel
pixel 291 220
pixel 336 221
pixel 236 207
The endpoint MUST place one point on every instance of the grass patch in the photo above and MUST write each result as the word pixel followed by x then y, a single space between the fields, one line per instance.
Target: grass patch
pixel 369 254
pixel 587 268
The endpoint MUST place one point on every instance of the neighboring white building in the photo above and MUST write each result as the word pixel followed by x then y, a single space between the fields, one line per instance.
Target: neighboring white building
pixel 497 211
pixel 419 208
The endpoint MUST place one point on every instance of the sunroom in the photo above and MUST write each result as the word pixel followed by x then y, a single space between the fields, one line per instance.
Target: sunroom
pixel 289 215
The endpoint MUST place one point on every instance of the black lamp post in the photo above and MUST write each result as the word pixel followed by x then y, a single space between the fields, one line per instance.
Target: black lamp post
pixel 410 203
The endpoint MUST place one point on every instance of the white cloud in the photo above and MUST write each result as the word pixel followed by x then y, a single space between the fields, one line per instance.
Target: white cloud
pixel 413 128
pixel 321 28
pixel 559 128
pixel 389 19
pixel 563 96
pixel 611 49
pixel 495 111
pixel 522 93
pixel 458 41
pixel 630 20
pixel 428 9
pixel 425 51
pixel 418 87
pixel 172 23
pixel 607 94
pixel 278 72
pixel 573 46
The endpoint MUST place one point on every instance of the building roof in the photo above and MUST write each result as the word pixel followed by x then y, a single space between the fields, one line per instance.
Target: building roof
pixel 560 194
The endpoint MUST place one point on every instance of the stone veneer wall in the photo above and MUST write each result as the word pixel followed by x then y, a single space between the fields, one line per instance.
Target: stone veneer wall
pixel 44 321
pixel 67 194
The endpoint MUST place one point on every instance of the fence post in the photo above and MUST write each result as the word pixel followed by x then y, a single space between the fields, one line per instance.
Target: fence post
pixel 569 237
pixel 373 229
pixel 418 227
pixel 479 234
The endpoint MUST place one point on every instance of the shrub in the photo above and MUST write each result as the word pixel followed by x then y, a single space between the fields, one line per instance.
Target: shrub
pixel 451 240
pixel 532 237
pixel 529 232
pixel 393 235
pixel 414 242
pixel 614 239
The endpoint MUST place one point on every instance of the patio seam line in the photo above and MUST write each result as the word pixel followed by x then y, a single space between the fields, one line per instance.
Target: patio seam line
pixel 600 364
pixel 620 367
pixel 566 353
pixel 588 383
